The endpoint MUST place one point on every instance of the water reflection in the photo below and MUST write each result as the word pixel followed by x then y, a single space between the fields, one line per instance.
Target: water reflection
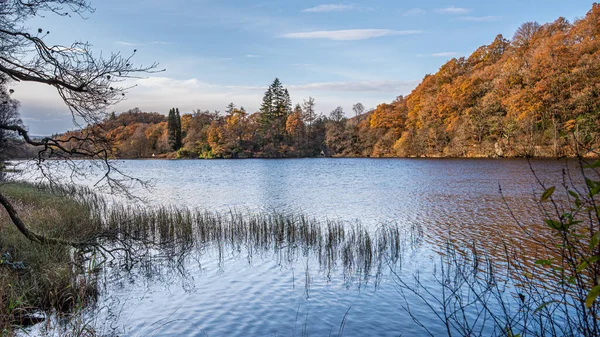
pixel 269 273
pixel 247 272
pixel 289 237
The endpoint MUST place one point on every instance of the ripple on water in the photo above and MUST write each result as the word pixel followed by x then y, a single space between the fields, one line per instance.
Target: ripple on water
pixel 449 199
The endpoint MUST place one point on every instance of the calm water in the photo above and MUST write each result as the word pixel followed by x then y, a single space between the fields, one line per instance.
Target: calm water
pixel 368 190
pixel 271 296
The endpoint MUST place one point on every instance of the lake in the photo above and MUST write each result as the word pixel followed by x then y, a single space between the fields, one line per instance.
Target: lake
pixel 368 190
pixel 228 293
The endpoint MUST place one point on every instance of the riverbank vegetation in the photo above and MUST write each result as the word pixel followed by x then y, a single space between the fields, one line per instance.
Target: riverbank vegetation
pixel 37 280
pixel 541 282
pixel 534 95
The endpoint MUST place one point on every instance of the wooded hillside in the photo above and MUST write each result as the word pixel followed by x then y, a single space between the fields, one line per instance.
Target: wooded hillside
pixel 537 94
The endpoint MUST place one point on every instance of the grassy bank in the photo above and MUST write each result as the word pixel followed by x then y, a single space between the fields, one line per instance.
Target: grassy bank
pixel 33 277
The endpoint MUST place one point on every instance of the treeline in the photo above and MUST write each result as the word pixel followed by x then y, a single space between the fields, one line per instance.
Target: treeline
pixel 537 94
pixel 277 130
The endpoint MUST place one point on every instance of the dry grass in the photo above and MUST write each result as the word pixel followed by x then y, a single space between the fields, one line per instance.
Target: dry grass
pixel 48 278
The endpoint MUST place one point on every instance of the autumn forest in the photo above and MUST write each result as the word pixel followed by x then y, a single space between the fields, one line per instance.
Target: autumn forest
pixel 536 94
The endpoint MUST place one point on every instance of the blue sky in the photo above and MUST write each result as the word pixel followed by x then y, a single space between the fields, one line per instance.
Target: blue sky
pixel 340 53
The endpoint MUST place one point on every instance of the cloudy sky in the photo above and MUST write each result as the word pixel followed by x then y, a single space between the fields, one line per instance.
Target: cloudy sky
pixel 340 53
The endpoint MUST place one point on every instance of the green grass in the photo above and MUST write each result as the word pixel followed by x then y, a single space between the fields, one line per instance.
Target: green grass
pixel 48 279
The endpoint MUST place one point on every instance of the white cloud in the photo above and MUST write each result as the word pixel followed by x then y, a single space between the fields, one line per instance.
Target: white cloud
pixel 125 43
pixel 445 54
pixel 329 8
pixel 45 113
pixel 382 86
pixel 161 93
pixel 134 44
pixel 349 34
pixel 414 12
pixel 488 18
pixel 42 110
pixel 385 86
pixel 453 10
pixel 252 56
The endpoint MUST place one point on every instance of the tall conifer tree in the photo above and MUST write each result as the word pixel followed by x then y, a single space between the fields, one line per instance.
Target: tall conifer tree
pixel 174 129
pixel 171 129
pixel 178 138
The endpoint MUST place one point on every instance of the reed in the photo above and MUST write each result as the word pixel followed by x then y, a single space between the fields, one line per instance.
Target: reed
pixel 331 243
pixel 163 236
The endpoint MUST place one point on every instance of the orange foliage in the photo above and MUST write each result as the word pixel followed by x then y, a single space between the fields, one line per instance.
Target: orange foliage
pixel 509 98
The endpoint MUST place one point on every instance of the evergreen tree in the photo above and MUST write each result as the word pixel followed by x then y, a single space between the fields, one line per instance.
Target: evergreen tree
pixel 230 109
pixel 178 137
pixel 278 93
pixel 275 108
pixel 298 109
pixel 171 129
pixel 309 114
pixel 174 129
pixel 266 109
pixel 286 107
pixel 276 102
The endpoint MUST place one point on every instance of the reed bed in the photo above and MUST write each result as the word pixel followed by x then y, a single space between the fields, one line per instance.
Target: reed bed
pixel 126 234
pixel 178 230
pixel 334 244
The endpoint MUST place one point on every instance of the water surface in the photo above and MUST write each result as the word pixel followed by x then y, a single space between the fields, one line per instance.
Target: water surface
pixel 457 199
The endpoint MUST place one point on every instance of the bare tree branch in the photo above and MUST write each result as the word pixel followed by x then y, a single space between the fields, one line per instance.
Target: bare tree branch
pixel 87 84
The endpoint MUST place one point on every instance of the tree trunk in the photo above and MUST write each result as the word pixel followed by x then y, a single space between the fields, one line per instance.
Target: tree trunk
pixel 32 236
